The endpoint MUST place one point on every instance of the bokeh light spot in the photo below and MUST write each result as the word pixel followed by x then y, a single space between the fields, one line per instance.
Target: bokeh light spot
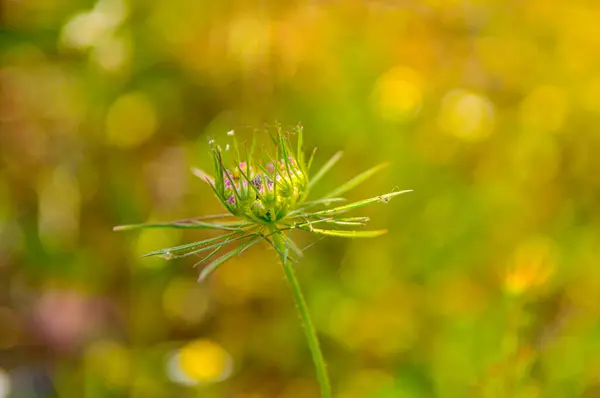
pixel 87 29
pixel 199 362
pixel 130 120
pixel 398 94
pixel 84 30
pixel 466 115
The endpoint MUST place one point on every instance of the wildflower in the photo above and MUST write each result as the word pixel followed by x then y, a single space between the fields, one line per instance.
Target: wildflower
pixel 265 200
pixel 268 199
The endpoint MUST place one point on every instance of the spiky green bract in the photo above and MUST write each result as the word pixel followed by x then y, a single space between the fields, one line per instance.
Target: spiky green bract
pixel 266 195
pixel 262 192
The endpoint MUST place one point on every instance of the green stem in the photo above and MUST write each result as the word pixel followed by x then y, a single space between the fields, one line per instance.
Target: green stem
pixel 309 329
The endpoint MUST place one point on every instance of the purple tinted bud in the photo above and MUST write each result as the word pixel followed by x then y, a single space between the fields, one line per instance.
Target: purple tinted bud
pixel 257 181
pixel 231 199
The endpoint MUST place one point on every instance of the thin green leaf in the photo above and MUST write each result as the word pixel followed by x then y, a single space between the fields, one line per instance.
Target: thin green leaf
pixel 218 244
pixel 286 157
pixel 270 242
pixel 210 217
pixel 362 177
pixel 300 150
pixel 223 202
pixel 326 167
pixel 180 225
pixel 250 182
pixel 325 202
pixel 201 174
pixel 273 175
pixel 341 209
pixel 172 252
pixel 292 245
pixel 310 160
pixel 348 234
pixel 349 221
pixel 210 268
pixel 305 223
pixel 286 251
pixel 313 203
pixel 209 256
pixel 265 171
pixel 218 184
pixel 235 191
pixel 253 145
pixel 330 220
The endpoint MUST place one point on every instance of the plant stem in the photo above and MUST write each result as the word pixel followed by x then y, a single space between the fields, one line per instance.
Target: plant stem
pixel 309 329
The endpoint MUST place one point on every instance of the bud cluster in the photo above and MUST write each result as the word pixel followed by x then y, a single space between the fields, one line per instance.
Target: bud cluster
pixel 259 192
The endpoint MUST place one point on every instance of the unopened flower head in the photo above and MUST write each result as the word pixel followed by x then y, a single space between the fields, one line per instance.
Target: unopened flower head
pixel 260 191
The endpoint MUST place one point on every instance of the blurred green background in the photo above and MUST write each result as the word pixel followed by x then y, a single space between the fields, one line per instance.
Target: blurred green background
pixel 487 285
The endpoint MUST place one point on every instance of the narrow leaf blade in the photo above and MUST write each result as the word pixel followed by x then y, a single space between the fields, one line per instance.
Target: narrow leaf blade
pixel 323 170
pixel 300 150
pixel 341 209
pixel 210 268
pixel 313 203
pixel 310 160
pixel 178 225
pixel 349 234
pixel 359 179
pixel 201 174
pixel 292 245
pixel 171 251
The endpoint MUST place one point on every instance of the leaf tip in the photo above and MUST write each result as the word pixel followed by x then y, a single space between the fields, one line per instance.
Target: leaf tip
pixel 204 176
pixel 202 277
pixel 122 227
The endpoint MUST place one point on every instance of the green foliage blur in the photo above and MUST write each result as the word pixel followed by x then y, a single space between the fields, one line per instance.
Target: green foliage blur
pixel 487 284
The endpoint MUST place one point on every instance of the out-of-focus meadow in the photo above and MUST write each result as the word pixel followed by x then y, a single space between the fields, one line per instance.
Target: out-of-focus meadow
pixel 487 284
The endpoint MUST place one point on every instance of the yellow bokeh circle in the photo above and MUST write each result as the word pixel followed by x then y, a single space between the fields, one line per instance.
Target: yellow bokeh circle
pixel 130 120
pixel 204 361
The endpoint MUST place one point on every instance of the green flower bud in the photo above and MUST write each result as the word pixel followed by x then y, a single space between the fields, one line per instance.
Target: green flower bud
pixel 260 192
